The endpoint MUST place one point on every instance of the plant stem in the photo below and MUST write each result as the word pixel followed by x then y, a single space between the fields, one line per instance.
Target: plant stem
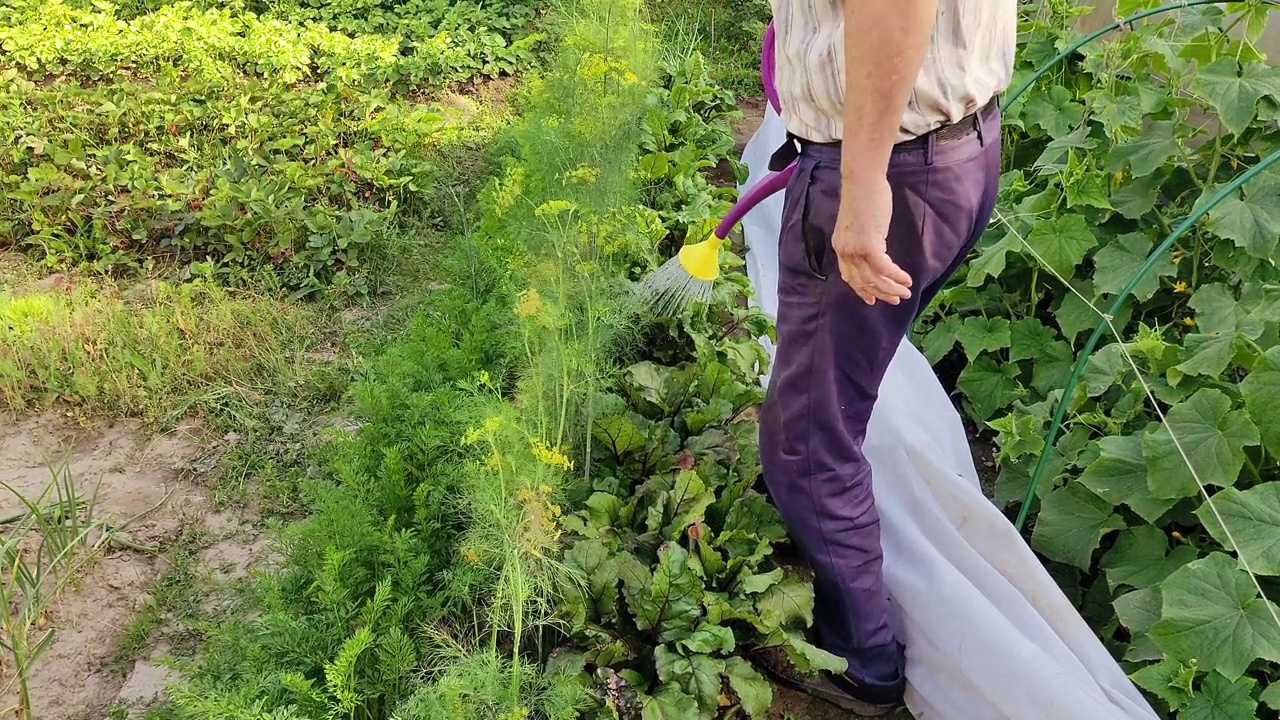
pixel 1217 159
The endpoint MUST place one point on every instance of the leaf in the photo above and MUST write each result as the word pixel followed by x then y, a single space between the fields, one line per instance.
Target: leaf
pixel 1212 613
pixel 1141 558
pixel 1251 222
pixel 1271 696
pixel 1104 369
pixel 697 675
pixel 805 656
pixel 1217 311
pixel 753 691
pixel 660 385
pixel 746 550
pixel 1125 8
pixel 1222 699
pixel 1117 263
pixel 599 570
pixel 1213 435
pixel 990 261
pixel 1234 94
pixel 622 433
pixel 716 411
pixel 989 386
pixel 710 638
pixel 1052 367
pixel 1206 355
pixel 1029 339
pixel 1088 189
pixel 1261 392
pixel 1119 475
pixel 1168 680
pixel 1148 151
pixel 753 514
pixel 1018 435
pixel 1253 519
pixel 669 603
pixel 684 505
pixel 1061 242
pixel 1059 151
pixel 1142 649
pixel 756 584
pixel 1071 522
pixel 939 341
pixel 1054 110
pixel 669 703
pixel 1138 610
pixel 783 604
pixel 603 511
pixel 978 335
pixel 1074 315
pixel 1120 117
pixel 1137 197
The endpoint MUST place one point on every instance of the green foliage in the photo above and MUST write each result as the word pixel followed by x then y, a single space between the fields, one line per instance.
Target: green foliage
pixel 674 572
pixel 684 137
pixel 229 142
pixel 1108 156
pixel 336 625
pixel 674 550
pixel 727 34
pixel 152 350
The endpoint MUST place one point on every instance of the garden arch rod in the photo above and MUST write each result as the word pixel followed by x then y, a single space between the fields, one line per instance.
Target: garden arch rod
pixel 1078 369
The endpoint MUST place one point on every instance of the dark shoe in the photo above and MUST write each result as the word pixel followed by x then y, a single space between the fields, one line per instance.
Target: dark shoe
pixel 841 691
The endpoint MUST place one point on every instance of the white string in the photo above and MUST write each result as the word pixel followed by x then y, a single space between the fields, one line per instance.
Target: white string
pixel 1204 491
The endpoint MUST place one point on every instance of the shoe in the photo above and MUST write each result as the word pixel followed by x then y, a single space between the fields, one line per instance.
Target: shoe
pixel 841 691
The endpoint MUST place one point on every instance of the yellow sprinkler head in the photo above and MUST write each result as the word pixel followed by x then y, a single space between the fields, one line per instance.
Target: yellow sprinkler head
pixel 702 260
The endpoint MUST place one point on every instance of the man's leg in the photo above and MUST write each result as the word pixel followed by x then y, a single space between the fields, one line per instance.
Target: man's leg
pixel 833 351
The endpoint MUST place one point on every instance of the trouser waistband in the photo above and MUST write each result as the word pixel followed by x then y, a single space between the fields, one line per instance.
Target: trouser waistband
pixel 962 128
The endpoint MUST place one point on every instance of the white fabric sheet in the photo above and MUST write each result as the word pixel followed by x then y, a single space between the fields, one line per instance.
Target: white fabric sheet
pixel 989 634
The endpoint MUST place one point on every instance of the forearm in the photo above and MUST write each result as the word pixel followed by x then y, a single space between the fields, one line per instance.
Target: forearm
pixel 885 42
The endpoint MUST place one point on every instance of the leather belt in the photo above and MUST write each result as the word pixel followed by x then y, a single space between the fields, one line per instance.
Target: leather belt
pixel 952 132
pixel 942 135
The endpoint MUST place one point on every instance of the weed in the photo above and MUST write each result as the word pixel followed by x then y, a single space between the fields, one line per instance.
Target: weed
pixel 43 550
pixel 174 600
pixel 727 34
pixel 153 350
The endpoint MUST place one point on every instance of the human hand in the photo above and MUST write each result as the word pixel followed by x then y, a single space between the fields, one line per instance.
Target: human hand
pixel 859 241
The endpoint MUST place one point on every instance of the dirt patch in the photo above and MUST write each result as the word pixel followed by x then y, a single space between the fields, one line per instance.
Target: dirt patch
pixel 138 489
pixel 791 705
pixel 753 111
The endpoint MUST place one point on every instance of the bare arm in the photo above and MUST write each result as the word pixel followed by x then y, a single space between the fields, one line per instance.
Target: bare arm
pixel 885 42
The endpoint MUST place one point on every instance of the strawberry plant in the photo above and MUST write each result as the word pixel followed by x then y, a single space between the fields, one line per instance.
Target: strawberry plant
pixel 1160 502
pixel 230 143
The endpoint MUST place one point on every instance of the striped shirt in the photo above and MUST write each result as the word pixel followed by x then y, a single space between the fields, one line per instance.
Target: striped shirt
pixel 970 61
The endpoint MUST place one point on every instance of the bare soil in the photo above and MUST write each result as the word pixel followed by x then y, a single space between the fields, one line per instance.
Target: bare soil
pixel 140 490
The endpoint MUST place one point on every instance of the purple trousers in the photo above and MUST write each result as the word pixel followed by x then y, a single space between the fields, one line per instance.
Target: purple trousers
pixel 832 353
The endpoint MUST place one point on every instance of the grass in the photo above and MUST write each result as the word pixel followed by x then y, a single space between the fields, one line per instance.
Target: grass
pixel 176 602
pixel 151 349
pixel 727 34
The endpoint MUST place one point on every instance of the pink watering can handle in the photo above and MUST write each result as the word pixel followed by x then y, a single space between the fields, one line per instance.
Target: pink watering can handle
pixel 768 185
pixel 768 68
pixel 775 181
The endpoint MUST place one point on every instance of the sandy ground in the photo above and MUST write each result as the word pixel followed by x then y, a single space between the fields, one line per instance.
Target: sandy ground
pixel 140 490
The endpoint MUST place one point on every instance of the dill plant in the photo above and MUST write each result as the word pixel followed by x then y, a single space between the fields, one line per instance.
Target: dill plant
pixel 424 584
pixel 572 201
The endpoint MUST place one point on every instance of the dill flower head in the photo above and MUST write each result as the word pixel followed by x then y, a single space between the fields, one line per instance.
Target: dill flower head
pixel 529 304
pixel 551 456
